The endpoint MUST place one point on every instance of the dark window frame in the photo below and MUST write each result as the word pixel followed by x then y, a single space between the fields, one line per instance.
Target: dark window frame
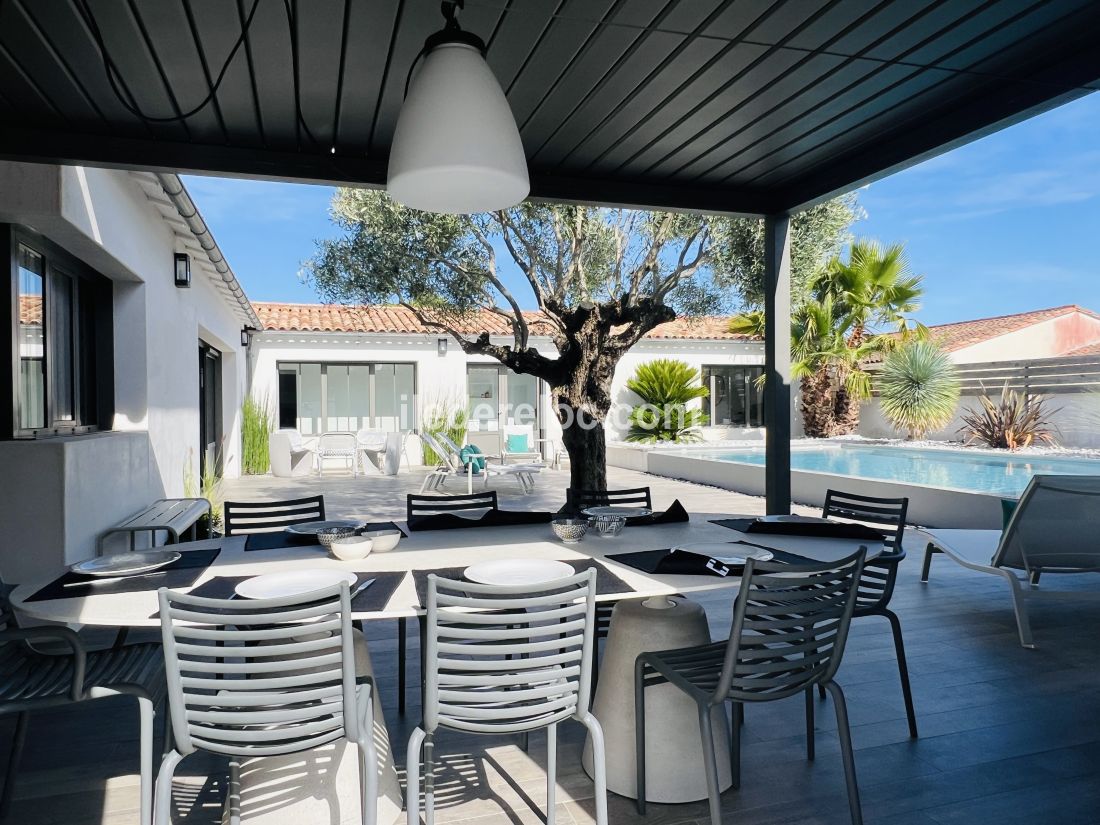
pixel 752 372
pixel 91 355
pixel 372 394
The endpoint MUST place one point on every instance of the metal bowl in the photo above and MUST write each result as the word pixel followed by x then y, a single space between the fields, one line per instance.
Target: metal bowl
pixel 607 527
pixel 569 530
pixel 328 535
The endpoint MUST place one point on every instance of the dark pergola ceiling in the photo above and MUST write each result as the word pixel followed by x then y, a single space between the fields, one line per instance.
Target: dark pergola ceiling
pixel 736 106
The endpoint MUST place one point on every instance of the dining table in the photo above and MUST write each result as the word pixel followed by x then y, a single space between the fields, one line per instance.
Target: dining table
pixel 399 581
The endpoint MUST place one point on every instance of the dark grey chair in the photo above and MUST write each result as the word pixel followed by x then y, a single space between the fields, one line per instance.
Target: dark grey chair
pixel 31 680
pixel 577 500
pixel 790 624
pixel 876 585
pixel 245 517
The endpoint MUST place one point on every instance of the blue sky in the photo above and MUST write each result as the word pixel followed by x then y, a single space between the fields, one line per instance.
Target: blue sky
pixel 1006 224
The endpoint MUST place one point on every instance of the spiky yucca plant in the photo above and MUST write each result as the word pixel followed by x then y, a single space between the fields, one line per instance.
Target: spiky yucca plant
pixel 919 388
pixel 1015 420
pixel 666 386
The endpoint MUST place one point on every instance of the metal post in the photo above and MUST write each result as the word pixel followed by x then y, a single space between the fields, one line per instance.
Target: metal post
pixel 777 362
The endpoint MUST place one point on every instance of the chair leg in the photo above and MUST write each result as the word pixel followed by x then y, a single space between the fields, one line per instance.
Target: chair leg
pixel 551 772
pixel 412 776
pixel 821 691
pixel 810 724
pixel 1019 605
pixel 148 717
pixel 368 778
pixel 639 733
pixel 903 672
pixel 737 719
pixel 706 734
pixel 15 753
pixel 845 734
pixel 929 551
pixel 162 804
pixel 599 766
pixel 429 779
pixel 234 796
pixel 402 663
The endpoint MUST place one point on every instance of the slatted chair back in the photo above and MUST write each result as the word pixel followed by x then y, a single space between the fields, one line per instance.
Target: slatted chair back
pixel 446 457
pixel 790 625
pixel 876 588
pixel 1054 527
pixel 453 450
pixel 508 659
pixel 418 505
pixel 259 677
pixel 244 517
pixel 636 497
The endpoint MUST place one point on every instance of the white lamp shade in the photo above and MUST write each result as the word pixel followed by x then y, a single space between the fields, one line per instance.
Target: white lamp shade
pixel 456 148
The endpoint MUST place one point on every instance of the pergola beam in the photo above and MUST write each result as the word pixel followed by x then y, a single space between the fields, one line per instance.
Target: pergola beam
pixel 777 363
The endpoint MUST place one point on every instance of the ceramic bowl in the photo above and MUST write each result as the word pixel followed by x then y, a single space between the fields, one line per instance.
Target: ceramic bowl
pixel 384 540
pixel 328 535
pixel 351 548
pixel 569 530
pixel 607 527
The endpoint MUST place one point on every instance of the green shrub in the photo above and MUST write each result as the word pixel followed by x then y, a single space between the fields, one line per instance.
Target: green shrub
pixel 208 487
pixel 919 388
pixel 257 423
pixel 666 386
pixel 1015 420
pixel 448 417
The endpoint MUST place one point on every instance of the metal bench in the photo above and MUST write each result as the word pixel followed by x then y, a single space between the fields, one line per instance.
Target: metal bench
pixel 173 516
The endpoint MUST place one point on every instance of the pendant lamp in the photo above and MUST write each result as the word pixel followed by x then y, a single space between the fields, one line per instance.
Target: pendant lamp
pixel 456 148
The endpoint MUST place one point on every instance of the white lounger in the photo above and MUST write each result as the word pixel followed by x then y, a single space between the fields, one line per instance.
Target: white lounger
pixel 1055 528
pixel 524 474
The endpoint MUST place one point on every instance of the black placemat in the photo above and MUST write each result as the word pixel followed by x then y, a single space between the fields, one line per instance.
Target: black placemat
pixel 606 581
pixel 493 518
pixel 179 574
pixel 676 513
pixel 649 561
pixel 371 600
pixel 810 529
pixel 281 538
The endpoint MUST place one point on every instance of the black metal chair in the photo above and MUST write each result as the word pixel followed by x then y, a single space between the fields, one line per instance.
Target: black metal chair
pixel 790 624
pixel 577 500
pixel 424 505
pixel 244 517
pixel 876 586
pixel 31 680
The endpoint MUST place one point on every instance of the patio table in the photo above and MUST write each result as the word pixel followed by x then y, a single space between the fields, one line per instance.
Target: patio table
pixel 426 551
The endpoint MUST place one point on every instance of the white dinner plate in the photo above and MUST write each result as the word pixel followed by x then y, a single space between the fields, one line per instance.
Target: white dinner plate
pixel 290 583
pixel 725 552
pixel 518 571
pixel 629 512
pixel 312 528
pixel 795 518
pixel 126 564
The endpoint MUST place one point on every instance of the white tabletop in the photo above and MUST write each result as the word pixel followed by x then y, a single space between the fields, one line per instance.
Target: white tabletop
pixel 436 549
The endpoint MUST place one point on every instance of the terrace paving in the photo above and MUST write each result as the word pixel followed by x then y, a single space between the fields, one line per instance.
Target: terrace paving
pixel 1007 735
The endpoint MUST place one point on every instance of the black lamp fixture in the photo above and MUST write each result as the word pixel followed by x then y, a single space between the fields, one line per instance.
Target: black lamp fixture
pixel 441 346
pixel 183 270
pixel 246 336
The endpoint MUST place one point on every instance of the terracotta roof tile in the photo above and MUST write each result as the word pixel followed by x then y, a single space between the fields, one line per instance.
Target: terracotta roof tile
pixel 967 333
pixel 279 317
pixel 1087 349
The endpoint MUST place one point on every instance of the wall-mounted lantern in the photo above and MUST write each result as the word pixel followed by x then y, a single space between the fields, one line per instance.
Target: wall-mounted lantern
pixel 183 270
pixel 441 346
pixel 246 337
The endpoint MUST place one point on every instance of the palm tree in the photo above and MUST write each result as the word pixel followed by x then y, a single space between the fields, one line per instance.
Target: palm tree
pixel 834 331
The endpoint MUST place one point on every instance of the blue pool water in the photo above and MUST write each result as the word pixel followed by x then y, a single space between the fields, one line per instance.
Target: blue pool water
pixel 952 469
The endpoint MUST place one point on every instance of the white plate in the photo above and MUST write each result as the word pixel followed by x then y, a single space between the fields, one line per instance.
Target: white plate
pixel 312 528
pixel 290 583
pixel 518 571
pixel 629 512
pixel 725 552
pixel 786 519
pixel 126 564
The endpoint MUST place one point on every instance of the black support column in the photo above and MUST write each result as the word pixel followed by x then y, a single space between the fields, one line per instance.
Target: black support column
pixel 777 362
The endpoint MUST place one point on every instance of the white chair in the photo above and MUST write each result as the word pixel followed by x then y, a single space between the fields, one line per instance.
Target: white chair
pixel 444 466
pixel 290 457
pixel 533 449
pixel 372 446
pixel 1053 529
pixel 502 660
pixel 524 474
pixel 338 445
pixel 263 678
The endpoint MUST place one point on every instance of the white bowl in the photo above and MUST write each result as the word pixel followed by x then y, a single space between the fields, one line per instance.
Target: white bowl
pixel 351 548
pixel 384 540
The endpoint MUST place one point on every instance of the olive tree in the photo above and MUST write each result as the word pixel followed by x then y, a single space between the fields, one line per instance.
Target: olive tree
pixel 601 279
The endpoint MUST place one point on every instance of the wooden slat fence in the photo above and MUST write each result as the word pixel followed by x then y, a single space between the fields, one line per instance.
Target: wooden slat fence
pixel 1042 376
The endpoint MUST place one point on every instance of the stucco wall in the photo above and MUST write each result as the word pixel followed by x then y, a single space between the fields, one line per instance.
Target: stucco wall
pixel 1046 339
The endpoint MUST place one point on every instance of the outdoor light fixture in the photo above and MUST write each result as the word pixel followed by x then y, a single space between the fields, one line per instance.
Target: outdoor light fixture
pixel 456 147
pixel 183 270
pixel 441 346
pixel 246 336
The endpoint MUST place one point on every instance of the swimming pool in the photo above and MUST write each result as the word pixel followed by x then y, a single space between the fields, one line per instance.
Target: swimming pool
pixel 975 472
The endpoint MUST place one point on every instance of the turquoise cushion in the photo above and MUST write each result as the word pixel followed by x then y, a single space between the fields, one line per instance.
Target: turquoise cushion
pixel 470 455
pixel 1008 507
pixel 518 443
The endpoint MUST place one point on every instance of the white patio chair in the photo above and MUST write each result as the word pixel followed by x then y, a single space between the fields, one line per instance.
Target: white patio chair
pixel 289 454
pixel 533 451
pixel 501 660
pixel 338 445
pixel 371 446
pixel 1053 529
pixel 447 463
pixel 524 474
pixel 263 678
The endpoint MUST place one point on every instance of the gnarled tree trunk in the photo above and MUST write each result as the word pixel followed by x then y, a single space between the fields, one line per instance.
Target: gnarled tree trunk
pixel 585 442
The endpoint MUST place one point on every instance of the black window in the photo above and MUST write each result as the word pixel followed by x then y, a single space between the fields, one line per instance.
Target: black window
pixel 61 364
pixel 736 398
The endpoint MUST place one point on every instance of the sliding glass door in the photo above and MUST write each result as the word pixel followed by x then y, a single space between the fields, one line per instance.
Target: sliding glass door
pixel 498 397
pixel 736 398
pixel 319 398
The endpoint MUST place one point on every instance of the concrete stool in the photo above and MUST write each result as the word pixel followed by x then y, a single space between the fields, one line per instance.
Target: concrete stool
pixel 674 753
